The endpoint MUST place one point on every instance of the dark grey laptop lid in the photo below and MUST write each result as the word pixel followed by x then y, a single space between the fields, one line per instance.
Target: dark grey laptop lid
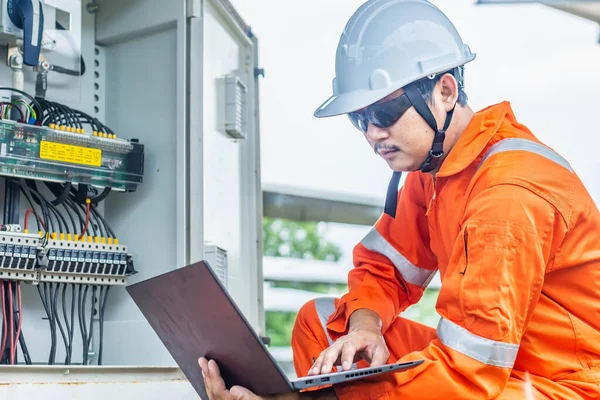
pixel 194 316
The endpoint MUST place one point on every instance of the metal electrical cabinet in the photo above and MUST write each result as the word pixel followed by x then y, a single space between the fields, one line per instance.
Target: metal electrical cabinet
pixel 158 71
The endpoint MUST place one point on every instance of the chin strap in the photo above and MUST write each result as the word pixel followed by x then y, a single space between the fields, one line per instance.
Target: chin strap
pixel 437 149
pixel 391 200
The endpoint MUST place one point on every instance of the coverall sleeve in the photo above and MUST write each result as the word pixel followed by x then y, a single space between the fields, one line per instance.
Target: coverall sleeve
pixel 392 264
pixel 490 288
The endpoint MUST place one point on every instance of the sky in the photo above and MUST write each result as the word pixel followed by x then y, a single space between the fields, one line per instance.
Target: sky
pixel 543 61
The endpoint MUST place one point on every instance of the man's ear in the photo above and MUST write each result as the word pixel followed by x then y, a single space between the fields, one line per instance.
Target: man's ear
pixel 448 89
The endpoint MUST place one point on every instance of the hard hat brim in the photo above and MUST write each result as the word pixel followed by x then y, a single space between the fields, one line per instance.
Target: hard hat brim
pixel 352 101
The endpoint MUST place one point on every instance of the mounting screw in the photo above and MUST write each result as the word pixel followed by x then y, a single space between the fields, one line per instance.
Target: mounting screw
pixel 16 61
pixel 92 7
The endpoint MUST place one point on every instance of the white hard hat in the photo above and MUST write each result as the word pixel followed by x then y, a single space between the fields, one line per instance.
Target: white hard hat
pixel 388 44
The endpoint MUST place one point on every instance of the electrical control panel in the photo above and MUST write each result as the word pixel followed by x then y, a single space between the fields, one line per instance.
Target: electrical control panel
pixel 118 161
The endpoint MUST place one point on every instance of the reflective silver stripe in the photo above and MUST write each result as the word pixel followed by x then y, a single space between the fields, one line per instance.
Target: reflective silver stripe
pixel 325 308
pixel 513 144
pixel 411 273
pixel 481 349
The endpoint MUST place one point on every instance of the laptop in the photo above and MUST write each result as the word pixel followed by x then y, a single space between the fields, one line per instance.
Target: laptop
pixel 194 316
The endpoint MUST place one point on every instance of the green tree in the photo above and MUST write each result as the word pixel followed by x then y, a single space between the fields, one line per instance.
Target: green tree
pixel 295 239
pixel 285 238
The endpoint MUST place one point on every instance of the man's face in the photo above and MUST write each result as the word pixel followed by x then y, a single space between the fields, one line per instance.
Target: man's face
pixel 405 144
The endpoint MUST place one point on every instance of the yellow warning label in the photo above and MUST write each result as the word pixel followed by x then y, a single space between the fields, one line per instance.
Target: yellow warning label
pixel 71 154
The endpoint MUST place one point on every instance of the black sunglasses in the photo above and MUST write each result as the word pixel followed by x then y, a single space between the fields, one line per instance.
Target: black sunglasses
pixel 382 115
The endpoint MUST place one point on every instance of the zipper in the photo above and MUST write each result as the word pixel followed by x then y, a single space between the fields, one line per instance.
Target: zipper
pixel 432 200
pixel 466 243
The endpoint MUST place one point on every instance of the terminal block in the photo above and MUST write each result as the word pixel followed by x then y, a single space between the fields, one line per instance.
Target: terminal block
pixel 43 153
pixel 18 253
pixel 84 262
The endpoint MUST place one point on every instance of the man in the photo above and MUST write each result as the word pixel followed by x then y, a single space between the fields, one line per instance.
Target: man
pixel 503 218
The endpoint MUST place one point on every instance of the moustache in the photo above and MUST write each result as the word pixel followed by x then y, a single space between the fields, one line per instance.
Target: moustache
pixel 381 146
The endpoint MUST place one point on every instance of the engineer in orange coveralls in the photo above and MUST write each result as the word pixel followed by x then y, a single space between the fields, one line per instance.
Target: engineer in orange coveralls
pixel 503 218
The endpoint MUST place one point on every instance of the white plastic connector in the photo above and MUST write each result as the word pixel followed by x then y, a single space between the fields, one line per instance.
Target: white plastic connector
pixel 14 228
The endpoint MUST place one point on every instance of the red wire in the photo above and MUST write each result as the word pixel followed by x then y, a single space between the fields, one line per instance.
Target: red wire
pixel 4 325
pixel 12 323
pixel 29 210
pixel 87 219
pixel 20 320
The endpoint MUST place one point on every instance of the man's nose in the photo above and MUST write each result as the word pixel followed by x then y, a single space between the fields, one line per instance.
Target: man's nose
pixel 376 134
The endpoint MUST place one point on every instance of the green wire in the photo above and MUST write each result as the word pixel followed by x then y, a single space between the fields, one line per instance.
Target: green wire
pixel 31 110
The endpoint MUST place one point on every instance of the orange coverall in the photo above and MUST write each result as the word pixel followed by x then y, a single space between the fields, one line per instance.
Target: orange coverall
pixel 515 237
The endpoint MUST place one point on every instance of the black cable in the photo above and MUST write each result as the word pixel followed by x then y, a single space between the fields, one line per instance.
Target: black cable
pixel 65 71
pixel 15 314
pixel 64 115
pixel 48 294
pixel 102 308
pixel 60 198
pixel 101 225
pixel 106 225
pixel 68 326
pixel 87 119
pixel 52 117
pixel 71 204
pixel 93 306
pixel 79 309
pixel 101 196
pixel 57 319
pixel 73 120
pixel 59 191
pixel 84 336
pixel 96 223
pixel 72 322
pixel 6 216
pixel 82 61
pixel 42 297
pixel 15 106
pixel 24 349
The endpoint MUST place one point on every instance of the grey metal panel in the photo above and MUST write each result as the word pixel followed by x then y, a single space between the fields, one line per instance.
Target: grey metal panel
pixel 196 142
pixel 142 103
pixel 258 191
pixel 308 205
pixel 119 20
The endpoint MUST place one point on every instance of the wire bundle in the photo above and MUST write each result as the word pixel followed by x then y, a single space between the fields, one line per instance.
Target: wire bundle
pixel 72 211
pixel 52 114
pixel 11 333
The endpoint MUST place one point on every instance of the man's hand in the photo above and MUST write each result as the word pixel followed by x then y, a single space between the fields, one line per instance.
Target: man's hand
pixel 216 390
pixel 363 341
pixel 215 386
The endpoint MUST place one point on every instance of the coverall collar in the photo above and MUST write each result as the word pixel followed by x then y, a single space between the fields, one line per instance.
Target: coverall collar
pixel 476 137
